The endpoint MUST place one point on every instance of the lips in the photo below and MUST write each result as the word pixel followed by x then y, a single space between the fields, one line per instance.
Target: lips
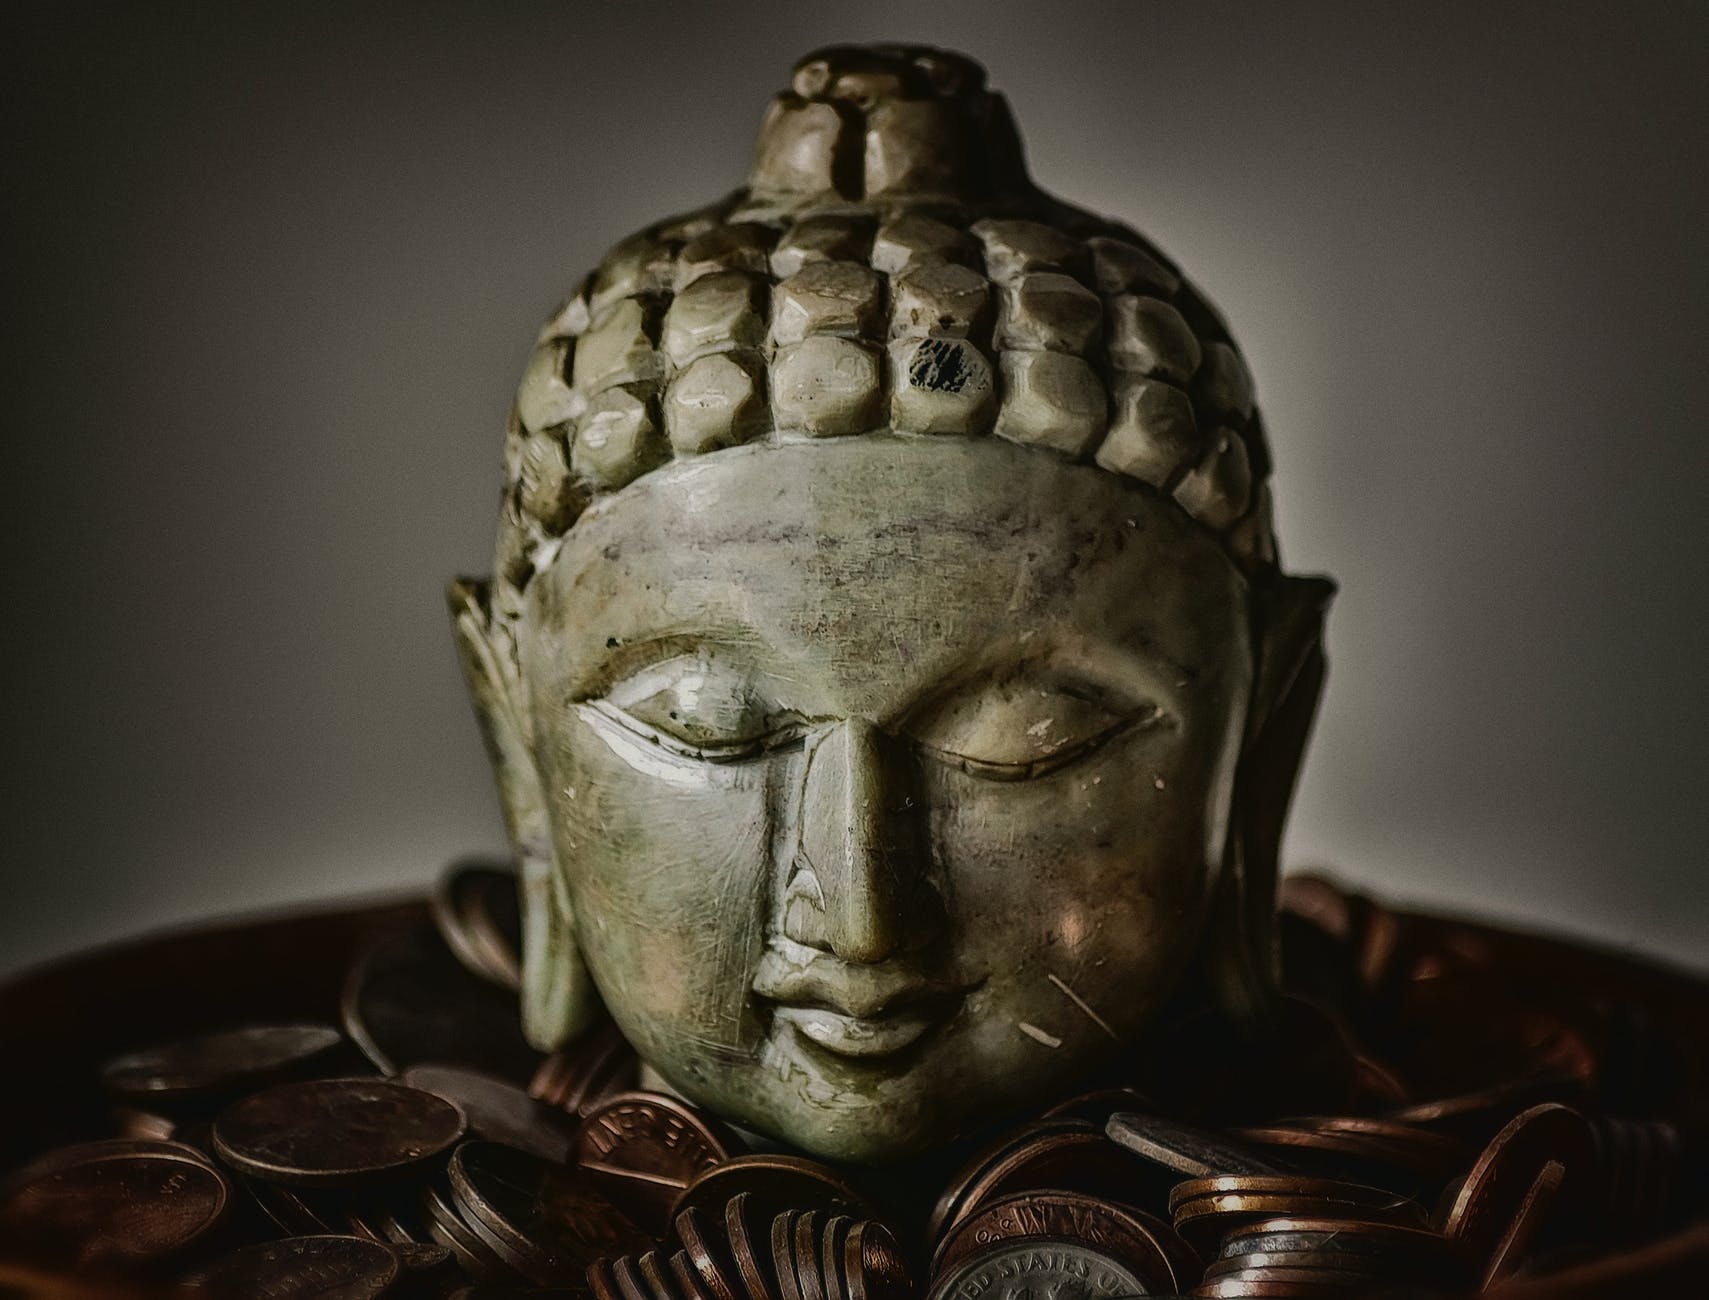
pixel 856 1011
pixel 853 1035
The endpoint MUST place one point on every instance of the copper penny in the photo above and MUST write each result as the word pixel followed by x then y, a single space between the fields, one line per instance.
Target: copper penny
pixel 652 1272
pixel 1297 1186
pixel 419 1258
pixel 832 1239
pixel 1497 1188
pixel 750 1245
pixel 783 1253
pixel 473 1255
pixel 1533 1212
pixel 1204 1220
pixel 218 1063
pixel 108 1204
pixel 874 1267
pixel 952 1200
pixel 328 1131
pixel 1478 1114
pixel 478 914
pixel 408 1001
pixel 116 1146
pixel 602 1280
pixel 1081 1160
pixel 1364 1156
pixel 1149 1247
pixel 805 1253
pixel 293 1213
pixel 1205 1209
pixel 134 1122
pixel 777 1182
pixel 1436 1153
pixel 497 1110
pixel 630 1284
pixel 599 1064
pixel 1098 1105
pixel 328 1268
pixel 687 1279
pixel 711 1264
pixel 646 1148
pixel 546 1221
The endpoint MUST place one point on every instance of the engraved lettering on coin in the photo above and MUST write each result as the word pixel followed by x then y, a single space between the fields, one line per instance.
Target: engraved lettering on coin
pixel 1147 1245
pixel 646 1148
pixel 1058 1270
pixel 649 1134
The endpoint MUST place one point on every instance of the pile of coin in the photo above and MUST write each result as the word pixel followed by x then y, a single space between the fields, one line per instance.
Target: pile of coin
pixel 815 1254
pixel 422 1149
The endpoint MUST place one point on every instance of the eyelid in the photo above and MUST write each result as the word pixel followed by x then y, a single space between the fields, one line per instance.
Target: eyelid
pixel 627 660
pixel 791 731
pixel 988 770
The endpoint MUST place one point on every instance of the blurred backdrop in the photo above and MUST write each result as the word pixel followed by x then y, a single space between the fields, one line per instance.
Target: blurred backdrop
pixel 272 273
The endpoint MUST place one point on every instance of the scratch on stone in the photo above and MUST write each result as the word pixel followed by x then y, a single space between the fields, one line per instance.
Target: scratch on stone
pixel 1081 1002
pixel 1038 1035
pixel 1018 595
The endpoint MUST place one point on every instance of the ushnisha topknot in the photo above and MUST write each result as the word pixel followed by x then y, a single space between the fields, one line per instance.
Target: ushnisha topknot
pixel 889 268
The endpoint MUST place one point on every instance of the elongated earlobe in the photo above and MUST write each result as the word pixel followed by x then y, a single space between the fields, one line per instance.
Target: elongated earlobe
pixel 1243 960
pixel 558 996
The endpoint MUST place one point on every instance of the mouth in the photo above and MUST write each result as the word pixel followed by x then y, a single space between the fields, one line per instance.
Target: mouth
pixel 859 1012
pixel 861 1037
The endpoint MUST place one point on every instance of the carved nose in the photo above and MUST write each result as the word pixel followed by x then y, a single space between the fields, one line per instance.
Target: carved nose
pixel 858 869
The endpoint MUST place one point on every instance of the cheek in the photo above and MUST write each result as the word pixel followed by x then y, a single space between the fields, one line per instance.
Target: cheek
pixel 668 868
pixel 1098 874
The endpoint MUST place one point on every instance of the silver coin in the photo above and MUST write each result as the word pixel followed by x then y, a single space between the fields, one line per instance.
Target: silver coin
pixel 1044 1266
pixel 1194 1152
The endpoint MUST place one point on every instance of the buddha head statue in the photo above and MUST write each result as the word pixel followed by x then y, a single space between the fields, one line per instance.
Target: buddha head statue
pixel 893 689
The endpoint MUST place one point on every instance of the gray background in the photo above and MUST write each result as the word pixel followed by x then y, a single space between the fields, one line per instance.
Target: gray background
pixel 272 275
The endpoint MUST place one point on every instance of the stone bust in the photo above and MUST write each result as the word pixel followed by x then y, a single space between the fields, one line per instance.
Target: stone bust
pixel 893 689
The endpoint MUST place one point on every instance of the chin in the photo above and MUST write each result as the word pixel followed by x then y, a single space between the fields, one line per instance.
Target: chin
pixel 870 1131
pixel 842 1111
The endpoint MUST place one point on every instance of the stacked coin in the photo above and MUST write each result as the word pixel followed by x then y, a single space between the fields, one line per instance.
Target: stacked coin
pixel 813 1254
pixel 426 1151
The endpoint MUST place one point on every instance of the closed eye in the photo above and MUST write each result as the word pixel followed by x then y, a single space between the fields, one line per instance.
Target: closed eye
pixel 1029 722
pixel 705 705
pixel 1026 769
pixel 708 750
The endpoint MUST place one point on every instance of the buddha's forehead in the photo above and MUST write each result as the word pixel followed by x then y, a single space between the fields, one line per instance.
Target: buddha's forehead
pixel 869 569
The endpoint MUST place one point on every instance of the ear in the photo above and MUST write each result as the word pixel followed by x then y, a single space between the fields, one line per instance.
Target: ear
pixel 558 996
pixel 1289 614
